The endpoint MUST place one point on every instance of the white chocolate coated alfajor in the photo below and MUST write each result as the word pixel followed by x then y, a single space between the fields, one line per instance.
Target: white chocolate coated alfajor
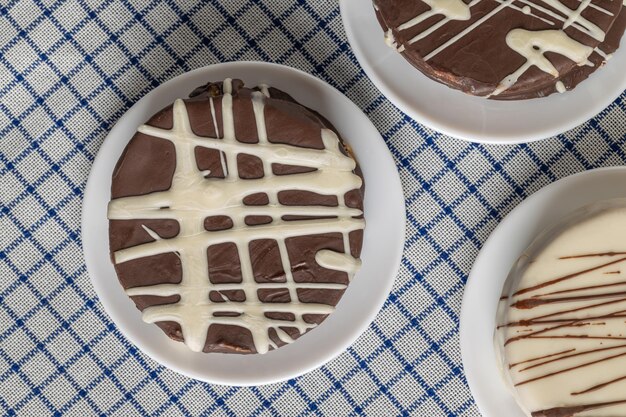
pixel 561 324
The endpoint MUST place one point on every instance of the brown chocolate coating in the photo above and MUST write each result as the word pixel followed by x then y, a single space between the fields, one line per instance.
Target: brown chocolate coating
pixel 147 165
pixel 479 61
pixel 609 46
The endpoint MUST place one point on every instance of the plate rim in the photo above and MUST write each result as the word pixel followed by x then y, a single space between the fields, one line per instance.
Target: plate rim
pixel 471 136
pixel 483 401
pixel 393 184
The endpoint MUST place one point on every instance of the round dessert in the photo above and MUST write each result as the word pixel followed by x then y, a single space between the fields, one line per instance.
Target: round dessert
pixel 236 219
pixel 504 49
pixel 561 335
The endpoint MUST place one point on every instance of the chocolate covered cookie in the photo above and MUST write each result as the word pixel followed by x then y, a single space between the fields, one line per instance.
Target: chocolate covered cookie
pixel 236 219
pixel 504 49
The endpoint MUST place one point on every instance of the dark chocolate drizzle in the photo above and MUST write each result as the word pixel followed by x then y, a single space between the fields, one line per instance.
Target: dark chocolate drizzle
pixel 587 352
pixel 573 410
pixel 513 365
pixel 600 386
pixel 570 369
pixel 569 276
pixel 591 287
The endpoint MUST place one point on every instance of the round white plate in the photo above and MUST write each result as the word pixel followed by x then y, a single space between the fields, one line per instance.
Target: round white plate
pixel 472 118
pixel 504 246
pixel 382 246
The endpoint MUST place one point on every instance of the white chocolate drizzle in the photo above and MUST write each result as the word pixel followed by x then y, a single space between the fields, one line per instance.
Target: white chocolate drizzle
pixel 265 89
pixel 451 9
pixel 192 198
pixel 468 30
pixel 603 54
pixel 533 44
pixel 390 40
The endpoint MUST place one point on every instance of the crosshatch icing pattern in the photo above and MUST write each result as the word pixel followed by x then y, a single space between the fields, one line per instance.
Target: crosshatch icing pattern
pixel 193 197
pixel 70 69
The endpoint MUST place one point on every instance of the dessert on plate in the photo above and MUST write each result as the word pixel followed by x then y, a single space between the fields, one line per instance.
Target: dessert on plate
pixel 561 335
pixel 504 49
pixel 236 219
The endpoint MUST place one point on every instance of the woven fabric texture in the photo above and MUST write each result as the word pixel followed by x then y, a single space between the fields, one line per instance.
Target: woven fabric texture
pixel 69 69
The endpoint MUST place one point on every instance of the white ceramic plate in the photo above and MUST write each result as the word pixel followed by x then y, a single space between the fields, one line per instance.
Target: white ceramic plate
pixel 382 247
pixel 473 118
pixel 504 246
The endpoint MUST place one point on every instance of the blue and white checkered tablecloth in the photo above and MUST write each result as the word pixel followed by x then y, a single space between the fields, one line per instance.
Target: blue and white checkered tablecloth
pixel 69 69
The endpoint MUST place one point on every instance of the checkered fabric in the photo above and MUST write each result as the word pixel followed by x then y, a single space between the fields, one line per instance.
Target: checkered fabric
pixel 70 69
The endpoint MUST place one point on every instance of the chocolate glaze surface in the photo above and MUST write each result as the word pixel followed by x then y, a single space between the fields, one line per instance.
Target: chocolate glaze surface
pixel 147 166
pixel 468 44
